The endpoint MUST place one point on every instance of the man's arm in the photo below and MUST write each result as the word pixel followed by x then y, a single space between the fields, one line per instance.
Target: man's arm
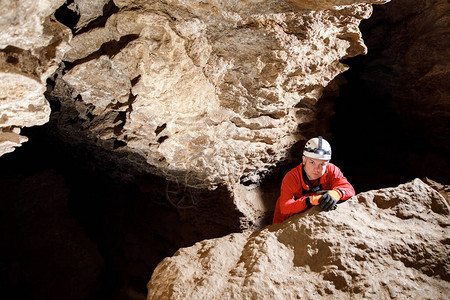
pixel 289 205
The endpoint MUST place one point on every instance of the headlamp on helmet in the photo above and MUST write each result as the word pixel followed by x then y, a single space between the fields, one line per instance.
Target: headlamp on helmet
pixel 317 148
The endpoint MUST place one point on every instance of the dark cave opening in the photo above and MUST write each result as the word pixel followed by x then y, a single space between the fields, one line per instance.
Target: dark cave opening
pixel 387 128
pixel 67 14
pixel 115 215
pixel 369 141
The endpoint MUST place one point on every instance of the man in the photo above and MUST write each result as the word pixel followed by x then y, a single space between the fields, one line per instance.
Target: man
pixel 314 182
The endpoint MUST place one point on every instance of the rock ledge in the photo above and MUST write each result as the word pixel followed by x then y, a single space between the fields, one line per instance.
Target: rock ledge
pixel 379 244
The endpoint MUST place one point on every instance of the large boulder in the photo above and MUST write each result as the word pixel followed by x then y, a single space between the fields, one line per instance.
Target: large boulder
pixel 388 243
pixel 203 93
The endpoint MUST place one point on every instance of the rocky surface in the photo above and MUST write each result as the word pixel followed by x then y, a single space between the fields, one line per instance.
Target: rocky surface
pixel 203 93
pixel 32 43
pixel 388 243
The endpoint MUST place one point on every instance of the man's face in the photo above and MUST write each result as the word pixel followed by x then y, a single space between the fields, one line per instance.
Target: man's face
pixel 314 167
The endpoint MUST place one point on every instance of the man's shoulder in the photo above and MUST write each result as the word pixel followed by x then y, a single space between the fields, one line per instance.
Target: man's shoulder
pixel 295 172
pixel 331 166
pixel 332 169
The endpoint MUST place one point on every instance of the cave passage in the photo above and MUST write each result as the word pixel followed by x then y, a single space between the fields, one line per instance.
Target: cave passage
pixel 133 230
pixel 388 128
pixel 369 142
pixel 128 227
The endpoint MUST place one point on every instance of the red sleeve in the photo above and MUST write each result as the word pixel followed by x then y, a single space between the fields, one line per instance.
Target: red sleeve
pixel 287 203
pixel 340 183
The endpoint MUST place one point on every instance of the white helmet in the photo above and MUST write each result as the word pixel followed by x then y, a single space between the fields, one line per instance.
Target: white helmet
pixel 317 148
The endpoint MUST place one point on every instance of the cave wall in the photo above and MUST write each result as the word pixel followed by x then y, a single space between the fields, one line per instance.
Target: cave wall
pixel 264 71
pixel 32 44
pixel 206 95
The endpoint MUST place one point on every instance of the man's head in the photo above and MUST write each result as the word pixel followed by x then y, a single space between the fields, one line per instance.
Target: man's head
pixel 316 155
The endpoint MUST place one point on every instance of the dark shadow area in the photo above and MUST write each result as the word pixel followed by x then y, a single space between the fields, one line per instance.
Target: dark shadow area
pixel 369 142
pixel 128 226
pixel 67 15
pixel 109 9
pixel 392 115
pixel 74 203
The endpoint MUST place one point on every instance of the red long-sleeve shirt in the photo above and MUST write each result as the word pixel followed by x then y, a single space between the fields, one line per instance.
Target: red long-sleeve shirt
pixel 295 189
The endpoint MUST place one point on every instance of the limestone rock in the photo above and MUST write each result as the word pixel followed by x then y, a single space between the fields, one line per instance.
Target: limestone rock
pixel 388 243
pixel 32 43
pixel 21 104
pixel 203 93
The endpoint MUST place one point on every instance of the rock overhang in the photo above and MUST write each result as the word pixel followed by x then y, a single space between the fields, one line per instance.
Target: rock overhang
pixel 207 93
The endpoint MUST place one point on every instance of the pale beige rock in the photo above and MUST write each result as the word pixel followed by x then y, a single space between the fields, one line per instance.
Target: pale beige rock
pixel 208 93
pixel 21 104
pixel 32 44
pixel 22 23
pixel 390 243
pixel 89 10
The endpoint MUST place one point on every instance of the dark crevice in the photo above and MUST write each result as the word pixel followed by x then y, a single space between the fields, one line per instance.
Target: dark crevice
pixel 110 49
pixel 121 117
pixel 12 60
pixel 90 116
pixel 55 106
pixel 131 99
pixel 66 66
pixel 160 128
pixel 135 80
pixel 67 16
pixel 119 144
pixel 162 139
pixel 109 9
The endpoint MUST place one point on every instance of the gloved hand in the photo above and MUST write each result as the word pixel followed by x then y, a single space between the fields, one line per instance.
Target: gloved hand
pixel 314 200
pixel 329 199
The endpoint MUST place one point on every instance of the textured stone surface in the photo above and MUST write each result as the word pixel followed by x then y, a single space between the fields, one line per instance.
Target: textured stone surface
pixel 22 103
pixel 32 43
pixel 205 93
pixel 388 243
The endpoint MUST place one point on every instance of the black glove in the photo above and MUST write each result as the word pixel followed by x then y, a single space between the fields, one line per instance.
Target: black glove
pixel 328 202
